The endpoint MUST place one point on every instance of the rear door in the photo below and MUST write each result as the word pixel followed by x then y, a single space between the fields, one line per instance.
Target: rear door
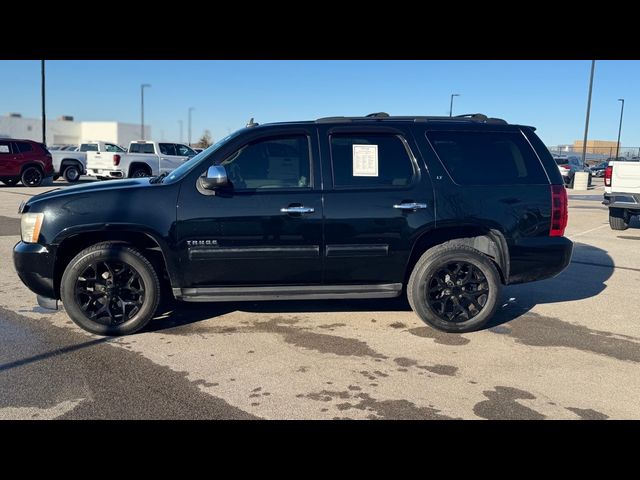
pixel 169 158
pixel 376 196
pixel 10 159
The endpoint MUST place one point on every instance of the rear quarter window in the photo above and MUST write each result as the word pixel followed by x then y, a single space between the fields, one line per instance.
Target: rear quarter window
pixel 487 158
pixel 141 148
pixel 24 147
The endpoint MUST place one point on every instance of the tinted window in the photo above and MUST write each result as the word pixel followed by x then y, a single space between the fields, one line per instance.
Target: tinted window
pixel 487 158
pixel 167 148
pixel 109 147
pixel 89 147
pixel 184 151
pixel 5 147
pixel 277 162
pixel 562 161
pixel 141 148
pixel 370 160
pixel 23 147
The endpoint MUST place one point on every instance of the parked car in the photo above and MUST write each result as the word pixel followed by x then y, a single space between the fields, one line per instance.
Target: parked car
pixel 340 207
pixel 568 166
pixel 143 159
pixel 24 161
pixel 622 193
pixel 598 169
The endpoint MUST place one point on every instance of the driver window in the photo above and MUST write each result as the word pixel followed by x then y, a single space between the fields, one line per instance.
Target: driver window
pixel 276 162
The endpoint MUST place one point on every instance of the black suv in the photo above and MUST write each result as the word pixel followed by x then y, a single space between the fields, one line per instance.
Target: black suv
pixel 445 208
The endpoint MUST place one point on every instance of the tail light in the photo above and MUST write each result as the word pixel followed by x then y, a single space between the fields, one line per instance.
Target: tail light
pixel 559 210
pixel 608 173
pixel 116 160
pixel 566 167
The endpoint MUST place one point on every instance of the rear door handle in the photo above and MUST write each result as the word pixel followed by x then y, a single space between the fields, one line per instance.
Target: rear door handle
pixel 297 210
pixel 411 206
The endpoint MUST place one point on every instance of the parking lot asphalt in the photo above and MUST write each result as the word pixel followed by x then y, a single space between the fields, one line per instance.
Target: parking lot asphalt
pixel 564 348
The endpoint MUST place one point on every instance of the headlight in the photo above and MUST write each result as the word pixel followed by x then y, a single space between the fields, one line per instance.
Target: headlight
pixel 30 224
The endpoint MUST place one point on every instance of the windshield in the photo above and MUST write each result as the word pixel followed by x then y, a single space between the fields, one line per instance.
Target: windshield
pixel 190 164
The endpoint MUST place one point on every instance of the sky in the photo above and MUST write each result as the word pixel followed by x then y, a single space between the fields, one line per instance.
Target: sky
pixel 550 95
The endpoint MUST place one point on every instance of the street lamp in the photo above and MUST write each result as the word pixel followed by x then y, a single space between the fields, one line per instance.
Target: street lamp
pixel 619 128
pixel 142 109
pixel 189 125
pixel 451 104
pixel 44 114
pixel 180 122
pixel 586 122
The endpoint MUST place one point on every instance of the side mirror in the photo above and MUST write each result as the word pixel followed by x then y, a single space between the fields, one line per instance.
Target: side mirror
pixel 215 177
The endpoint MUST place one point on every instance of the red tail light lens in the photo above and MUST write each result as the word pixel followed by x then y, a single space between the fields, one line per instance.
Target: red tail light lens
pixel 559 210
pixel 608 173
pixel 116 160
pixel 566 167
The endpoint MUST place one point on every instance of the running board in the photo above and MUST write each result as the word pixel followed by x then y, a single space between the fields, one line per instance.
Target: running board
pixel 300 292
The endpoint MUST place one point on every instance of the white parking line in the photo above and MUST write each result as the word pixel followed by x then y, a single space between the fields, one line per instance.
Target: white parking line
pixel 587 231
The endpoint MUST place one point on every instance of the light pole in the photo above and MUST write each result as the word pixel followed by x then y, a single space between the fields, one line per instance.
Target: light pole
pixel 451 104
pixel 44 115
pixel 586 123
pixel 142 109
pixel 189 125
pixel 619 128
pixel 180 122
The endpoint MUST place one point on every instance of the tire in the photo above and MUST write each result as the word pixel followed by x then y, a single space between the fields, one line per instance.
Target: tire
pixel 71 174
pixel 10 182
pixel 618 219
pixel 136 289
pixel 139 173
pixel 429 272
pixel 32 177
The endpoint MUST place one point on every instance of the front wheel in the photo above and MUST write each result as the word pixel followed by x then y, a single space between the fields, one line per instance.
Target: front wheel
pixel 454 288
pixel 110 289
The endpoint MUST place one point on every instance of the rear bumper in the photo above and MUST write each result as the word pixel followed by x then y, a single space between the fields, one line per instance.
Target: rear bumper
pixel 101 172
pixel 538 258
pixel 34 264
pixel 630 201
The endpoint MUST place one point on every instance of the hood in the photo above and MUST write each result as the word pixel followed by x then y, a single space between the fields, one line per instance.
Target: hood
pixel 91 188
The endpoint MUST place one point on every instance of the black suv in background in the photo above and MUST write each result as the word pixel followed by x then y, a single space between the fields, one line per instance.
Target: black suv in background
pixel 444 209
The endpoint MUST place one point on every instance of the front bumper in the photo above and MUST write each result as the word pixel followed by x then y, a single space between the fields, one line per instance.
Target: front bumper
pixel 538 258
pixel 34 264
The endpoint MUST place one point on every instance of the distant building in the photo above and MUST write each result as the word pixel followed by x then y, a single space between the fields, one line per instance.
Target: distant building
pixel 602 147
pixel 66 130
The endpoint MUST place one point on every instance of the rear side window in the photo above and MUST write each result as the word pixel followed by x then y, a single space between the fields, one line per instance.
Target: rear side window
pixel 370 160
pixel 109 147
pixel 487 158
pixel 24 147
pixel 89 147
pixel 141 148
pixel 167 148
pixel 5 148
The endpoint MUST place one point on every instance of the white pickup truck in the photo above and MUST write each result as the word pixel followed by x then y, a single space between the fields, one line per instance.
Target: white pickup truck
pixel 143 159
pixel 622 192
pixel 70 164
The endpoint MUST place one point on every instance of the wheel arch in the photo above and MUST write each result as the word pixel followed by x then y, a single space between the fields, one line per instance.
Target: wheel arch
pixel 151 245
pixel 134 165
pixel 487 240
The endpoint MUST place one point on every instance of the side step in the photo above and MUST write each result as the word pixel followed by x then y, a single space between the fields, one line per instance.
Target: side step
pixel 298 292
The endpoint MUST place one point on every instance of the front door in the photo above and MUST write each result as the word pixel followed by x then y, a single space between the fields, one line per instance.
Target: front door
pixel 266 227
pixel 378 199
pixel 169 158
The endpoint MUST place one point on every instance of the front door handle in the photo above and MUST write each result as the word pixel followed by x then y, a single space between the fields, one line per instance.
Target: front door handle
pixel 411 206
pixel 297 210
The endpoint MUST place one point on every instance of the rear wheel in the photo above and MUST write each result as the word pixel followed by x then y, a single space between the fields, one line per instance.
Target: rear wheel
pixel 72 173
pixel 619 219
pixel 139 173
pixel 454 288
pixel 32 177
pixel 110 289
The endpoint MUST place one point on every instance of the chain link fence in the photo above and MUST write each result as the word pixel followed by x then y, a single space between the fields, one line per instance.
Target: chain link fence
pixel 596 154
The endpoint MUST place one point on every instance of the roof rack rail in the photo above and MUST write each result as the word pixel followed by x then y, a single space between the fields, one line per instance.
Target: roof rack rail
pixel 469 117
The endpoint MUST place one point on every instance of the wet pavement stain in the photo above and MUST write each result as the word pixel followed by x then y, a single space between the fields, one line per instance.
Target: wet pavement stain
pixel 540 331
pixel 332 326
pixel 327 395
pixel 405 362
pixel 442 338
pixel 393 409
pixel 439 369
pixel 588 413
pixel 397 325
pixel 302 369
pixel 502 405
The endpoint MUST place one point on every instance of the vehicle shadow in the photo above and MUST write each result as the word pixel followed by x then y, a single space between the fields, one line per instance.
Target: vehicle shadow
pixel 585 277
